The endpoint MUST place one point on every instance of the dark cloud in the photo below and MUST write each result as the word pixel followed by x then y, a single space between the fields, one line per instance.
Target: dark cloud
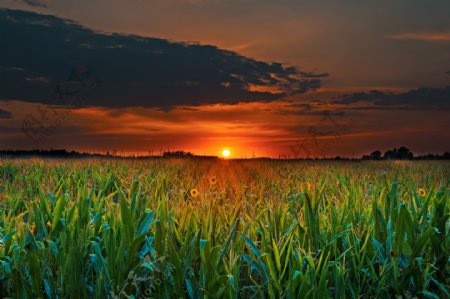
pixel 421 98
pixel 309 109
pixel 5 114
pixel 35 3
pixel 39 52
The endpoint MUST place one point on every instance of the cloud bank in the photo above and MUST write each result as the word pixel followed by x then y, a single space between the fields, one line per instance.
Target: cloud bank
pixel 39 52
pixel 421 98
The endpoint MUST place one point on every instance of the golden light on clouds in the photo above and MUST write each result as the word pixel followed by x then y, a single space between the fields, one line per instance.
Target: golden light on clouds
pixel 252 129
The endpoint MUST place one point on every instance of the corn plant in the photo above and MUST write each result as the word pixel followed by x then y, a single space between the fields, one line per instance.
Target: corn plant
pixel 224 229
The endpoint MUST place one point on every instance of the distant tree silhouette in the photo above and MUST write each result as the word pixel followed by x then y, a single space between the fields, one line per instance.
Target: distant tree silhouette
pixel 177 154
pixel 376 155
pixel 403 153
pixel 390 154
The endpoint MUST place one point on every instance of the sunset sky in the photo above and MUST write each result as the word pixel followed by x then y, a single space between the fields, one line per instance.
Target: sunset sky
pixel 258 77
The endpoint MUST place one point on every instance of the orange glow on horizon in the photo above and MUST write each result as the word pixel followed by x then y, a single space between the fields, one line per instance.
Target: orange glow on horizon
pixel 258 130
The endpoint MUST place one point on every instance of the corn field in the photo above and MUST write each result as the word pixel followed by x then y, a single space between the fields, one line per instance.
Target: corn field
pixel 224 229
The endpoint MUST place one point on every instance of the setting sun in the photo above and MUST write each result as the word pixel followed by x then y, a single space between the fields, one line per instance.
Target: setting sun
pixel 226 153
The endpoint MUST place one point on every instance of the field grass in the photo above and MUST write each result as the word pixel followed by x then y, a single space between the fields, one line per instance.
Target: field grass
pixel 224 229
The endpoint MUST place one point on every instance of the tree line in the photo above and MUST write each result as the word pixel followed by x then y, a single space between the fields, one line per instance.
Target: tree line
pixel 404 153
